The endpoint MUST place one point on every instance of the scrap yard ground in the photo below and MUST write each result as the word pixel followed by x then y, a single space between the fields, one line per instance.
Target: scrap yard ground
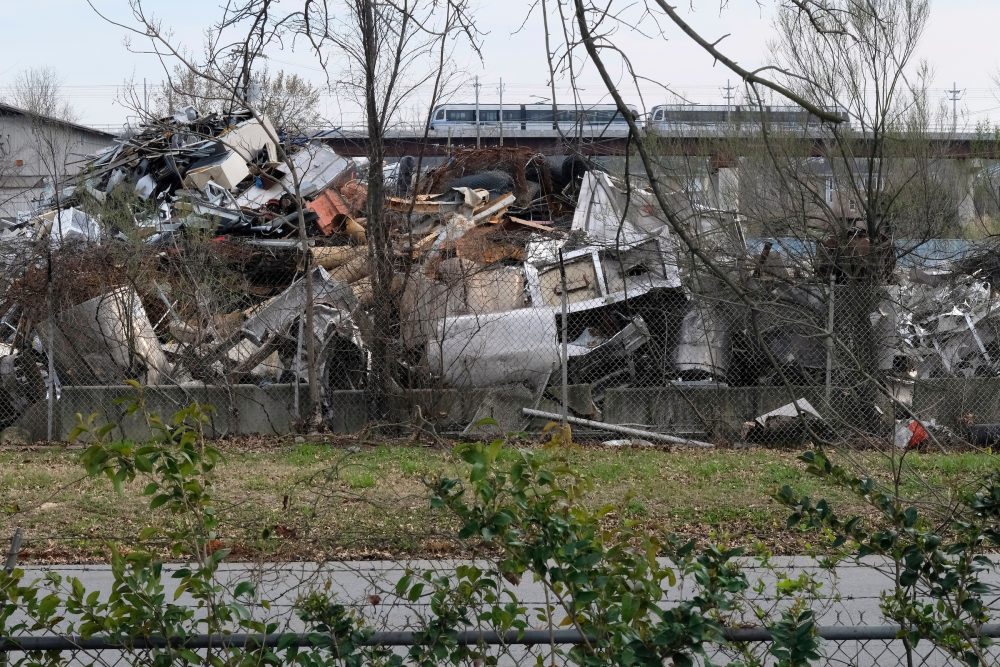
pixel 326 501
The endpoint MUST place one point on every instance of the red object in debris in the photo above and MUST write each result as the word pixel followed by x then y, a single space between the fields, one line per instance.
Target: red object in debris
pixel 356 196
pixel 920 434
pixel 331 209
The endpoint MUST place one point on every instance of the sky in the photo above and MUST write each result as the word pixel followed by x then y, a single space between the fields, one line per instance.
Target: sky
pixel 92 59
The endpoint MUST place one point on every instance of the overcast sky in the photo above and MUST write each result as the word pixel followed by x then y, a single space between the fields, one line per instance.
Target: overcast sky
pixel 93 61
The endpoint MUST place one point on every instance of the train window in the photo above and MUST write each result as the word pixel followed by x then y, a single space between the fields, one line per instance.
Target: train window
pixel 489 115
pixel 566 116
pixel 539 115
pixel 440 115
pixel 658 115
pixel 514 115
pixel 607 116
pixel 463 115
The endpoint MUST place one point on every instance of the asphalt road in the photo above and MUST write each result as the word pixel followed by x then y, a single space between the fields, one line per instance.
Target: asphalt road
pixel 850 596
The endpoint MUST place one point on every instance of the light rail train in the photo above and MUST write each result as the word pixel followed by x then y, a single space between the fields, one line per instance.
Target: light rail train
pixel 662 119
pixel 529 116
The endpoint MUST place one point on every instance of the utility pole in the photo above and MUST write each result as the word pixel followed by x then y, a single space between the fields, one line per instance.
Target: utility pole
pixel 954 95
pixel 730 94
pixel 477 86
pixel 500 90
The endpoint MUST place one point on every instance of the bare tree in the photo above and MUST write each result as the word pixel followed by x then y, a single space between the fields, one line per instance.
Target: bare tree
pixel 377 54
pixel 392 50
pixel 39 90
pixel 290 101
pixel 235 44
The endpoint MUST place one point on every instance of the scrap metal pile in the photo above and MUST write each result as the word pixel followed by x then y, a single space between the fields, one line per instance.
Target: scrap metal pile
pixel 933 317
pixel 185 254
pixel 177 258
pixel 950 328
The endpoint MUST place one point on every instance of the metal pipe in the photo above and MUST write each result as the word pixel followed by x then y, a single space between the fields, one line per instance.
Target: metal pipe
pixel 50 404
pixel 829 343
pixel 615 428
pixel 298 370
pixel 564 360
pixel 15 548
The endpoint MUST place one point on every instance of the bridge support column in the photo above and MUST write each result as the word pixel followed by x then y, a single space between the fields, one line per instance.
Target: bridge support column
pixel 967 192
pixel 726 188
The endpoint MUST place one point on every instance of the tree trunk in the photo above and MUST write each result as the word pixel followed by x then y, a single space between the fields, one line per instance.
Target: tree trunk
pixel 381 344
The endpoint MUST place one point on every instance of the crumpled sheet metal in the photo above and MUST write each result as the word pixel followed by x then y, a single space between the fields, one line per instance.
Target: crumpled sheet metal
pixel 948 330
pixel 278 314
pixel 597 276
pixel 605 214
pixel 704 348
pixel 318 167
pixel 107 340
pixel 521 346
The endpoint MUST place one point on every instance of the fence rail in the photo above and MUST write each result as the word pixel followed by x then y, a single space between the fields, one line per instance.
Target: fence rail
pixel 411 638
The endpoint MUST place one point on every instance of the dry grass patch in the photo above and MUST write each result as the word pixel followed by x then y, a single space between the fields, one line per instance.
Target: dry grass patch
pixel 282 501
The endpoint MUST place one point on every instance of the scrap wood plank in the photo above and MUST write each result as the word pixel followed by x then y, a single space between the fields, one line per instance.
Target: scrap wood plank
pixel 497 206
pixel 423 245
pixel 521 222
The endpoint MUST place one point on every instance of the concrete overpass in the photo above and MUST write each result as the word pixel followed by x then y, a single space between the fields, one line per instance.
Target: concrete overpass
pixel 699 141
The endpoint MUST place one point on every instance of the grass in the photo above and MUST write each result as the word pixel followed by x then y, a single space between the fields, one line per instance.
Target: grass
pixel 318 501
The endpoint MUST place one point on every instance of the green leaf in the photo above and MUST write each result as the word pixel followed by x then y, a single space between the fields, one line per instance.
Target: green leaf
pixel 220 554
pixel 148 532
pixel 243 588
pixel 47 606
pixel 415 592
pixel 159 501
pixel 143 464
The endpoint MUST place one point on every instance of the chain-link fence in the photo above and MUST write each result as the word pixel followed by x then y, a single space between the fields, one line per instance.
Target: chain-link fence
pixel 851 628
pixel 853 646
pixel 702 300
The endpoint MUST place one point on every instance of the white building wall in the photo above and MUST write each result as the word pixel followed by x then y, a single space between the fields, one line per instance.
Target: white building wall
pixel 31 154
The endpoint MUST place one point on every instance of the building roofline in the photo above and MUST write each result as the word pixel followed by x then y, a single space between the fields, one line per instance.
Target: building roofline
pixel 7 108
